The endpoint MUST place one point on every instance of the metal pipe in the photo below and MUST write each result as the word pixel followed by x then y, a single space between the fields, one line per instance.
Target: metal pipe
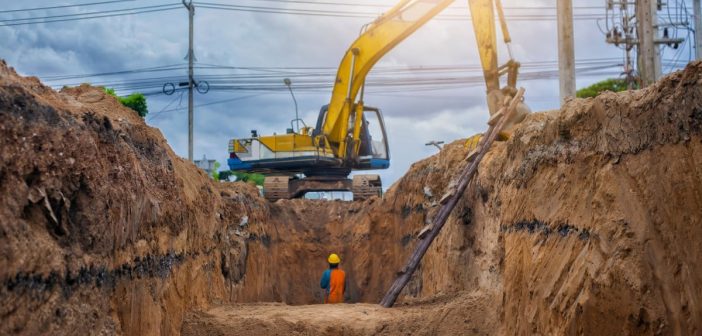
pixel 288 83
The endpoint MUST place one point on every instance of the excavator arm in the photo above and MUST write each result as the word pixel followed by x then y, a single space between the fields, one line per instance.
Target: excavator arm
pixel 341 141
pixel 483 17
pixel 380 36
pixel 377 39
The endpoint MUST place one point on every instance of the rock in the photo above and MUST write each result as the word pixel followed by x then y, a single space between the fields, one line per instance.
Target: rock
pixel 244 221
pixel 427 192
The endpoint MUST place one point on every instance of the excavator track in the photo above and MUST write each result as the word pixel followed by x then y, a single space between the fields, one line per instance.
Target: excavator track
pixel 276 187
pixel 285 187
pixel 366 186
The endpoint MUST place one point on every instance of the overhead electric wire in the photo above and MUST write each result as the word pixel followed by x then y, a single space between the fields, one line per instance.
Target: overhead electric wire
pixel 388 6
pixel 318 11
pixel 89 15
pixel 373 84
pixel 63 6
pixel 310 75
pixel 171 67
pixel 218 102
pixel 307 80
pixel 155 115
pixel 371 15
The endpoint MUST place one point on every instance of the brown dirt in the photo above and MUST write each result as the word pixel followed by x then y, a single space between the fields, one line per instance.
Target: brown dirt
pixel 462 314
pixel 103 229
pixel 586 222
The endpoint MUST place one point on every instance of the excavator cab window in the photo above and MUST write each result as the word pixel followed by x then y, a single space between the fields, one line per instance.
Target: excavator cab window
pixel 374 143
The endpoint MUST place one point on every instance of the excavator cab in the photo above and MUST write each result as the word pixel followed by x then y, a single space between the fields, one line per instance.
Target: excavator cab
pixel 373 149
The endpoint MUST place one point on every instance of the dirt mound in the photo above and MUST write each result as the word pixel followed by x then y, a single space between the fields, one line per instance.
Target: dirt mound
pixel 586 222
pixel 103 229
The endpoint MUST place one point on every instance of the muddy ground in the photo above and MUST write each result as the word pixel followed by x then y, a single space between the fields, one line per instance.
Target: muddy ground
pixel 587 221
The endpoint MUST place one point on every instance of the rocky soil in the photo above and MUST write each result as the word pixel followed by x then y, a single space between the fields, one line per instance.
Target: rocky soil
pixel 587 221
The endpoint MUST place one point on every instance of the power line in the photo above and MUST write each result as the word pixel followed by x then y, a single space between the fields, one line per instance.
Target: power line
pixel 373 84
pixel 217 102
pixel 356 14
pixel 92 15
pixel 355 4
pixel 179 98
pixel 171 67
pixel 86 14
pixel 281 10
pixel 278 70
pixel 62 6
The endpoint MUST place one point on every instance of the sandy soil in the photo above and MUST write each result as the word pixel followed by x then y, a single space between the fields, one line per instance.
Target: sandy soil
pixel 461 314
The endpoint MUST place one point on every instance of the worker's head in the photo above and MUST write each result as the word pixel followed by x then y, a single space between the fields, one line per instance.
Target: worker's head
pixel 333 260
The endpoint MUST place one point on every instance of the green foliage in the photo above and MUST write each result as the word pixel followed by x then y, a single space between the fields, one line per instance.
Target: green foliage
pixel 215 172
pixel 110 91
pixel 135 101
pixel 254 178
pixel 612 84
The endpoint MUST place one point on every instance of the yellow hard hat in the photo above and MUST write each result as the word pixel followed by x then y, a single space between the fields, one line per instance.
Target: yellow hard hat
pixel 334 259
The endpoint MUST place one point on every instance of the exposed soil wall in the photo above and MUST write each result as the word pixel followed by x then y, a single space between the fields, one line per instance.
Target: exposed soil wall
pixel 587 221
pixel 103 230
pixel 601 207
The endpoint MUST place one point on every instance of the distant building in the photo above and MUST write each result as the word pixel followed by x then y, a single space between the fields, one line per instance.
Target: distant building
pixel 206 165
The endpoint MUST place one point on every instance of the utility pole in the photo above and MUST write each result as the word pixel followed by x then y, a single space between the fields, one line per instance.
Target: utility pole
pixel 566 49
pixel 698 28
pixel 638 29
pixel 191 13
pixel 648 55
pixel 201 87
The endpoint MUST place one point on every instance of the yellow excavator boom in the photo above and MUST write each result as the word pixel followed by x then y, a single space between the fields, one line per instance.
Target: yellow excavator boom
pixel 342 140
pixel 377 39
pixel 380 36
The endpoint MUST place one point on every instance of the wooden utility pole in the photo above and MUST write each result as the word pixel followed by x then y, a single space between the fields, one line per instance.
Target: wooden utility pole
pixel 698 28
pixel 648 56
pixel 450 199
pixel 566 49
pixel 191 82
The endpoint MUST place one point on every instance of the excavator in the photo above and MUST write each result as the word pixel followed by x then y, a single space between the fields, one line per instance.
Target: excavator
pixel 350 135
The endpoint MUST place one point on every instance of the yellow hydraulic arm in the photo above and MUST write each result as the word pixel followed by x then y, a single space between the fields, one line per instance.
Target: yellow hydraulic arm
pixel 483 18
pixel 380 36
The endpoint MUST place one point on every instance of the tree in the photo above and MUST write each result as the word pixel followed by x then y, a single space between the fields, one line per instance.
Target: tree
pixel 611 84
pixel 254 178
pixel 215 172
pixel 135 101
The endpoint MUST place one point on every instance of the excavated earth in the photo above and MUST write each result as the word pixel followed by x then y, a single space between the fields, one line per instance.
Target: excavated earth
pixel 586 222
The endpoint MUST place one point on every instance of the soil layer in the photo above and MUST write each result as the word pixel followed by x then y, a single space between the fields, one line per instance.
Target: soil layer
pixel 587 221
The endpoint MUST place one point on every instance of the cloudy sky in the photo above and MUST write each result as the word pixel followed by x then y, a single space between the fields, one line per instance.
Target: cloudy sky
pixel 426 87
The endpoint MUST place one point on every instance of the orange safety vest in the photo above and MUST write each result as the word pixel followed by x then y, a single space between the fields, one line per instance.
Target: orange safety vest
pixel 337 281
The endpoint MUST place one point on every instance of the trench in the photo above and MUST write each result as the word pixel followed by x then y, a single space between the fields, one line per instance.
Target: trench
pixel 593 230
pixel 284 263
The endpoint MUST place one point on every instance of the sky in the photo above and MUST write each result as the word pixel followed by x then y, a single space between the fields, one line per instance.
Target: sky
pixel 245 48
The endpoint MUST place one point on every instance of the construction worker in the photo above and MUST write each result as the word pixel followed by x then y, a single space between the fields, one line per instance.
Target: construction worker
pixel 333 281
